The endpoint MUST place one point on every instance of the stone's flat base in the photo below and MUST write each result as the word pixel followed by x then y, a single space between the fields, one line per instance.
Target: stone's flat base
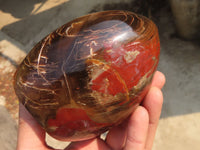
pixel 180 61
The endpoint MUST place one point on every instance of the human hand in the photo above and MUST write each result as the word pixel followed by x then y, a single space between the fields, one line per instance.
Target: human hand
pixel 136 133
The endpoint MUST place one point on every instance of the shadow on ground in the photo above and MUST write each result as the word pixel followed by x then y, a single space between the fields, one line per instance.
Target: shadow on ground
pixel 12 7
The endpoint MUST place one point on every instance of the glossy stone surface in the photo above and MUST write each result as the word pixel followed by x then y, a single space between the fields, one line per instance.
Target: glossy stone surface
pixel 90 74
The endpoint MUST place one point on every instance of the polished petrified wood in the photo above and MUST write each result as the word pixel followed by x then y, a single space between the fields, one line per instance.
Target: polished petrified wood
pixel 89 74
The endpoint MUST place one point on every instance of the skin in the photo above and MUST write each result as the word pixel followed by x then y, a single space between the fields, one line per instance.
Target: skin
pixel 137 132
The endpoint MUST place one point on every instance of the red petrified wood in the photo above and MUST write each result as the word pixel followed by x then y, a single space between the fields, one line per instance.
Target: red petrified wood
pixel 89 74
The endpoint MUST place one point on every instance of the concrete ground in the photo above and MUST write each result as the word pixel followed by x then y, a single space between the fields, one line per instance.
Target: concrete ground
pixel 23 23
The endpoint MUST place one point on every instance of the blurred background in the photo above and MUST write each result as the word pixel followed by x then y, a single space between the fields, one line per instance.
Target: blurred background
pixel 23 23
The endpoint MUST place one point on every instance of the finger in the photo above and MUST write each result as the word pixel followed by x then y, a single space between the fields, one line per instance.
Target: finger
pixel 158 79
pixel 93 144
pixel 153 104
pixel 30 135
pixel 137 129
pixel 116 137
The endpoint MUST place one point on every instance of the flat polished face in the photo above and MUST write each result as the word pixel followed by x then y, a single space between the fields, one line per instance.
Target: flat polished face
pixel 89 74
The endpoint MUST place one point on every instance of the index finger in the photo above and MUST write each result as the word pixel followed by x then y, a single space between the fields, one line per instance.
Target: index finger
pixel 158 79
